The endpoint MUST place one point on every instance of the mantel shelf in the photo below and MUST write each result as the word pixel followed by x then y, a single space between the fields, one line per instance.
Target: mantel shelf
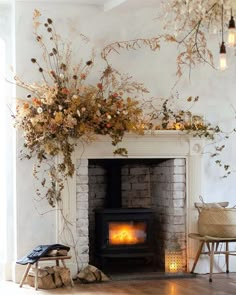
pixel 160 143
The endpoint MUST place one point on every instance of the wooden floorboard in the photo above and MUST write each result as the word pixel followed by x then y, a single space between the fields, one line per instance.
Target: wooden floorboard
pixel 199 285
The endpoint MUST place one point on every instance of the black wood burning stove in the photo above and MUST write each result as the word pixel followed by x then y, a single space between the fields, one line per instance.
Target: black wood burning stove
pixel 122 233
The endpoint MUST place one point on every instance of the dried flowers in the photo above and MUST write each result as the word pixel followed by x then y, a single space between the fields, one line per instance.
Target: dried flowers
pixel 64 107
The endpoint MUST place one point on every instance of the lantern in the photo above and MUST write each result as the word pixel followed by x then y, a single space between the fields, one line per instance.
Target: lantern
pixel 173 258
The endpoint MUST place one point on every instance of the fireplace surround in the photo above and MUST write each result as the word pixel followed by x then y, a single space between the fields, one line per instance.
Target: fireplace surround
pixel 161 145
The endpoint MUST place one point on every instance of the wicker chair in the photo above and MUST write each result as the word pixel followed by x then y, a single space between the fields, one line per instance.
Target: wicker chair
pixel 216 225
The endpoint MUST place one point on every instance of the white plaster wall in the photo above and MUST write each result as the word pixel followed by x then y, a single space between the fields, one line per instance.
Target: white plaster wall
pixel 7 138
pixel 156 69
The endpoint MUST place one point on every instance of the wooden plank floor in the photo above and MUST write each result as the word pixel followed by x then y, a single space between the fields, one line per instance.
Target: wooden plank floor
pixel 222 284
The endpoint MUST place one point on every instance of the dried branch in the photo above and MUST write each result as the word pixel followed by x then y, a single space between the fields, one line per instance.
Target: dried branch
pixel 152 43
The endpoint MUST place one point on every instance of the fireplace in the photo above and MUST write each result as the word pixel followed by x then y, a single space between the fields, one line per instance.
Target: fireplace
pixel 81 198
pixel 145 193
pixel 124 233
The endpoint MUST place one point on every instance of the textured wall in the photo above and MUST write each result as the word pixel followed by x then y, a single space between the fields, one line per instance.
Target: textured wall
pixel 155 69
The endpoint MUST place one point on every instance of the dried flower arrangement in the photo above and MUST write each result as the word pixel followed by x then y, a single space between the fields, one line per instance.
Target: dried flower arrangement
pixel 64 107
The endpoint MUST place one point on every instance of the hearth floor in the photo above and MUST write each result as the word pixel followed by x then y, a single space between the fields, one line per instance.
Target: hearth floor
pixel 148 276
pixel 135 270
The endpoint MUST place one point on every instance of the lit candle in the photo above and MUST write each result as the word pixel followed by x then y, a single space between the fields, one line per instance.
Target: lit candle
pixel 173 267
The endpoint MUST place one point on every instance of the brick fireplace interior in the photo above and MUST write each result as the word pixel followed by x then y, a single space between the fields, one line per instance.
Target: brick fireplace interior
pixel 155 185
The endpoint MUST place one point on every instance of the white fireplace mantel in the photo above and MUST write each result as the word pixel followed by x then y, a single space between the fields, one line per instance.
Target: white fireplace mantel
pixel 155 144
pixel 158 144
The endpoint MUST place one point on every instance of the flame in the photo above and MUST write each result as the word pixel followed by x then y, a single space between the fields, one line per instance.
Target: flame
pixel 121 233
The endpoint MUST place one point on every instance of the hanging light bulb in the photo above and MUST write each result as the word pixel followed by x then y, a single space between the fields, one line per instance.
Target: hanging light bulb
pixel 232 32
pixel 223 60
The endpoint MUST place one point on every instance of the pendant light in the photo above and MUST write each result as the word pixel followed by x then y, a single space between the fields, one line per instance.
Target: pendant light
pixel 223 60
pixel 232 32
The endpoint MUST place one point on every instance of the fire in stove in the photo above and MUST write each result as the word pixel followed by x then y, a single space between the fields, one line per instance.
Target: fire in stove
pixel 127 233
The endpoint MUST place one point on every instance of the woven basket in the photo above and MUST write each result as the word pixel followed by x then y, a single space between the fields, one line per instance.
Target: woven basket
pixel 217 222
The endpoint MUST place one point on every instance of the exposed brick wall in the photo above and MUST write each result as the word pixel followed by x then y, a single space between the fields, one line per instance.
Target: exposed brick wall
pixel 97 192
pixel 82 222
pixel 168 201
pixel 160 185
pixel 135 181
